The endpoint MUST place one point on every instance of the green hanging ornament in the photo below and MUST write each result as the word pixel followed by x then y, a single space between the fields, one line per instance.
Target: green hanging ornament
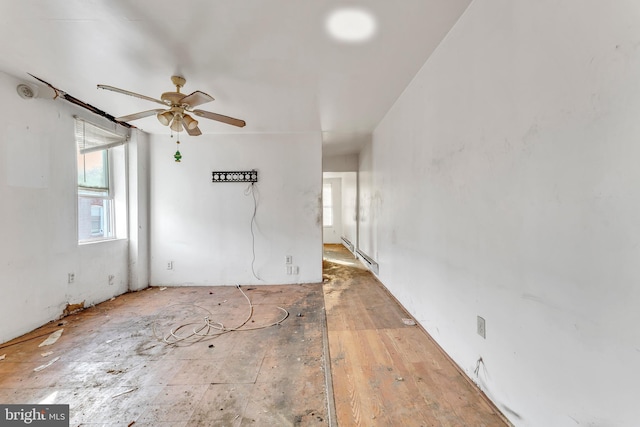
pixel 177 156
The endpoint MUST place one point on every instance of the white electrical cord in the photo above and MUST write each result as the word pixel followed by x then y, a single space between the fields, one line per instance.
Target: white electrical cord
pixel 209 328
pixel 251 189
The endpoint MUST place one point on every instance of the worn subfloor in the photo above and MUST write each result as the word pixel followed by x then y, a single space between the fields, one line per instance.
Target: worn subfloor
pixel 113 369
pixel 114 372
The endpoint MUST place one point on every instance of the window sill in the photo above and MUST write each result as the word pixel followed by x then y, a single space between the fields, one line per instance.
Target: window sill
pixel 93 242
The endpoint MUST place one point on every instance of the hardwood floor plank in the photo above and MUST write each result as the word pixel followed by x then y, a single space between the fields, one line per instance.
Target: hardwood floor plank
pixel 387 373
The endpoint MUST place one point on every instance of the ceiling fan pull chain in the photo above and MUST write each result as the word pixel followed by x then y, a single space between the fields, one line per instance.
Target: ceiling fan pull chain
pixel 177 156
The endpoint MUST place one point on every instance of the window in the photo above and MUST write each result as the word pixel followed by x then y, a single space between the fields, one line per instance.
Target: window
pixel 327 205
pixel 97 181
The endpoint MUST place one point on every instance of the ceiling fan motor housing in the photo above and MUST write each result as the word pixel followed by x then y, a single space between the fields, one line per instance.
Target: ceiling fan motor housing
pixel 172 98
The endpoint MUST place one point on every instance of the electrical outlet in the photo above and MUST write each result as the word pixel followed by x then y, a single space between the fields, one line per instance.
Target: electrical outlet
pixel 289 269
pixel 482 329
pixel 170 265
pixel 111 279
pixel 71 278
pixel 288 259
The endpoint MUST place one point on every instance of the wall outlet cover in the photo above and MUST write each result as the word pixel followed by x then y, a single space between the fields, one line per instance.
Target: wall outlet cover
pixel 482 329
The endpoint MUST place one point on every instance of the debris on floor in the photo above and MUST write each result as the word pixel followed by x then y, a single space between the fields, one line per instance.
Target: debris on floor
pixel 409 322
pixel 51 362
pixel 124 392
pixel 45 354
pixel 163 288
pixel 52 338
pixel 3 356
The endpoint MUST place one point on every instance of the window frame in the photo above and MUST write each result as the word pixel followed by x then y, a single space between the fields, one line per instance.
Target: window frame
pixel 91 138
pixel 327 204
pixel 104 194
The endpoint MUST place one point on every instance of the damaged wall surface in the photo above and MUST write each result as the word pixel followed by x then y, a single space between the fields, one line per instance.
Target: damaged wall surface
pixel 38 218
pixel 505 185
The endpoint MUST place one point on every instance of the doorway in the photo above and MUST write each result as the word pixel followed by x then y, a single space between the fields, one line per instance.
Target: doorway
pixel 340 208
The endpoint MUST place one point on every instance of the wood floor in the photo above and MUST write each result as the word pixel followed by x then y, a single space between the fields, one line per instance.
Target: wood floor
pixel 113 369
pixel 385 372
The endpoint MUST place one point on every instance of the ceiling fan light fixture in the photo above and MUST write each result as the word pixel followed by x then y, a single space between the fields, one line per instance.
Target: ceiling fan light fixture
pixel 176 124
pixel 165 118
pixel 189 122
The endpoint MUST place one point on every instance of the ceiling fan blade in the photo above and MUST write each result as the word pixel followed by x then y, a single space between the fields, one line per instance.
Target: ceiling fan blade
pixel 126 92
pixel 140 115
pixel 220 118
pixel 196 98
pixel 193 132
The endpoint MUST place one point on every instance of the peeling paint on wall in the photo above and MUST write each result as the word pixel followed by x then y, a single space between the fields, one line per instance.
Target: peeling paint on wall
pixel 72 308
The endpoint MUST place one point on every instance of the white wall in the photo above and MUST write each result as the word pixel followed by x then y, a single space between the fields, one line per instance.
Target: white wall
pixel 343 163
pixel 350 207
pixel 138 150
pixel 505 184
pixel 368 204
pixel 204 227
pixel 38 244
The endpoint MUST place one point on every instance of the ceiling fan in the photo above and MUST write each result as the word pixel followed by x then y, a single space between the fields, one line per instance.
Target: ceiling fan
pixel 177 105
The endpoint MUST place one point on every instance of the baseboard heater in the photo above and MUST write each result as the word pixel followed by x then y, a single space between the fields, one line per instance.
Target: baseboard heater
pixel 369 262
pixel 348 244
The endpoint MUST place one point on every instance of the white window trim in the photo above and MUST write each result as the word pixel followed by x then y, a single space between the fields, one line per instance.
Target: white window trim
pixel 330 205
pixel 92 145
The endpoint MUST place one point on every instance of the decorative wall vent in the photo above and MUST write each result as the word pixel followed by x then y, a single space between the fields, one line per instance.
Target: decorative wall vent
pixel 238 176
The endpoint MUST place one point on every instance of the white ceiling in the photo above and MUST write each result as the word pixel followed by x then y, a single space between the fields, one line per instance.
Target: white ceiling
pixel 268 62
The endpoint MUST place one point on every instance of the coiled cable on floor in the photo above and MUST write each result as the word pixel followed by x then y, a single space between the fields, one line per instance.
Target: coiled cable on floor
pixel 209 328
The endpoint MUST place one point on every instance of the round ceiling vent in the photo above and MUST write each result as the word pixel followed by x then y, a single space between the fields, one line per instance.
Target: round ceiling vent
pixel 25 91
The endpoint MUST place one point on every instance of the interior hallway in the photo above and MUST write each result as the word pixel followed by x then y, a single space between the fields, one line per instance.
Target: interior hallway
pixel 112 370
